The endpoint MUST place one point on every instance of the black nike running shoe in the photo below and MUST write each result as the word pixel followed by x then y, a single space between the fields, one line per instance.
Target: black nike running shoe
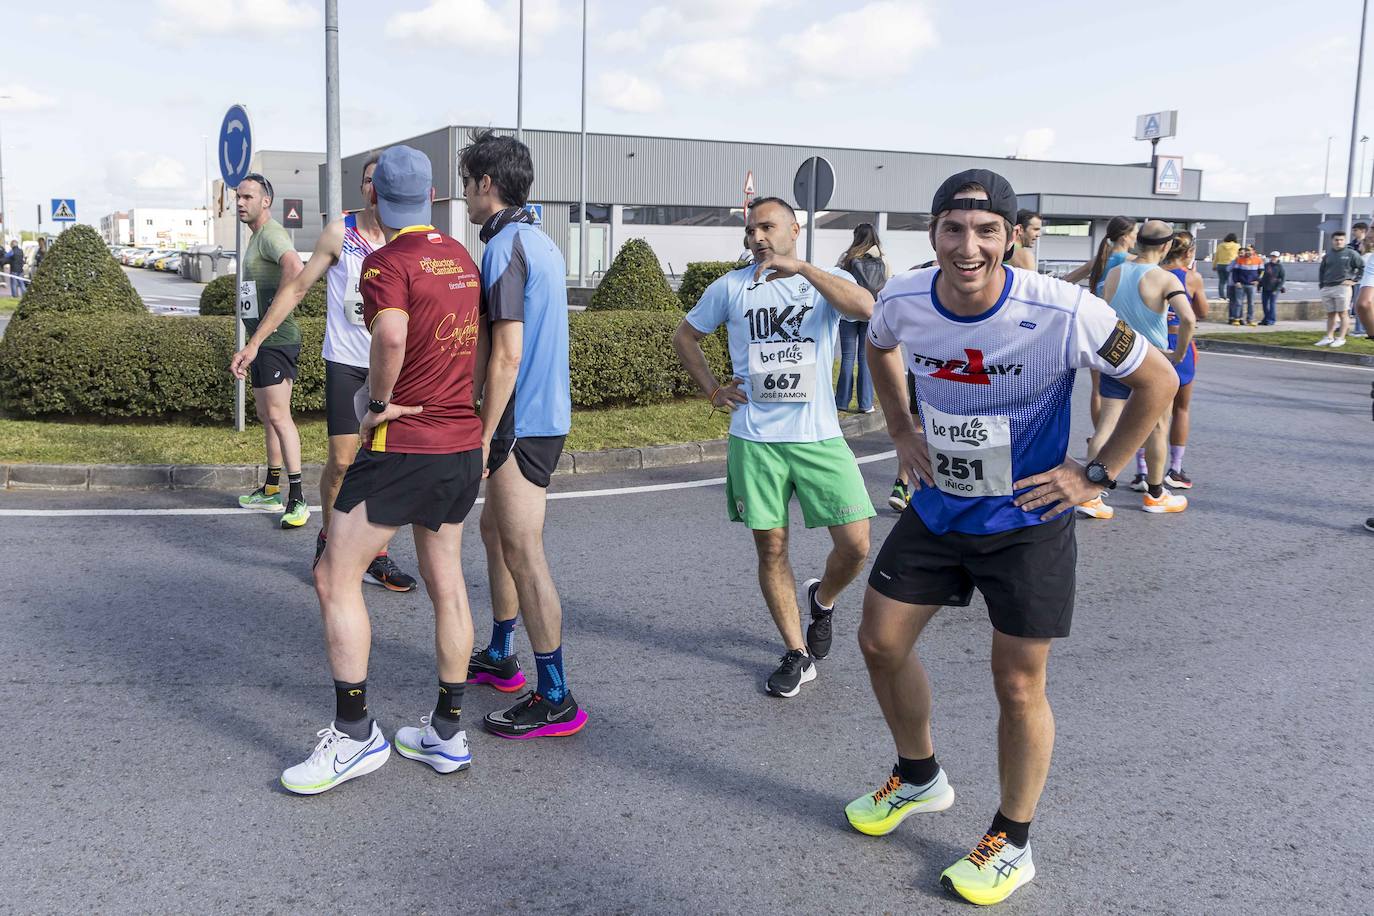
pixel 536 717
pixel 795 669
pixel 384 572
pixel 504 675
pixel 818 634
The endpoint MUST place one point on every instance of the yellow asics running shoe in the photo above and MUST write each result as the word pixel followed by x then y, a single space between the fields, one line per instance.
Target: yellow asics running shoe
pixel 879 814
pixel 991 872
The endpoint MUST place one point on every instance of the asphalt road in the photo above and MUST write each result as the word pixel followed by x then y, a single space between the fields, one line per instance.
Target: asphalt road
pixel 164 293
pixel 1213 709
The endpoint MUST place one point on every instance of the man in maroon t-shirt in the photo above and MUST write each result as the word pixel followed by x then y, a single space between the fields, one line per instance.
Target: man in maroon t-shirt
pixel 422 461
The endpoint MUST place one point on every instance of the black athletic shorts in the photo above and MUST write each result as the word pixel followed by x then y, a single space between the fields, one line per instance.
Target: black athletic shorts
pixel 536 456
pixel 274 365
pixel 405 489
pixel 341 384
pixel 1026 575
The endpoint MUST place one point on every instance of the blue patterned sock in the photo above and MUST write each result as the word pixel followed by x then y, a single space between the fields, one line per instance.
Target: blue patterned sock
pixel 502 639
pixel 553 686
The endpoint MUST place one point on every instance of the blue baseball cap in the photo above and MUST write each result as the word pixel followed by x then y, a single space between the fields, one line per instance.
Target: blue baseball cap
pixel 403 181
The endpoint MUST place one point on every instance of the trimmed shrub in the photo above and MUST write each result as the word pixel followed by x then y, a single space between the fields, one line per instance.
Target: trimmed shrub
pixel 79 275
pixel 699 275
pixel 177 368
pixel 135 366
pixel 635 282
pixel 627 357
pixel 218 299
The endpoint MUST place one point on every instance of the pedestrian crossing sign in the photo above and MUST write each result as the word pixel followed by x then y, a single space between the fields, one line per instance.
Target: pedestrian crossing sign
pixel 63 210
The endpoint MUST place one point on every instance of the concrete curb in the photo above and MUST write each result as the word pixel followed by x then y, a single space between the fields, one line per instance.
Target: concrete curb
pixel 247 476
pixel 1337 357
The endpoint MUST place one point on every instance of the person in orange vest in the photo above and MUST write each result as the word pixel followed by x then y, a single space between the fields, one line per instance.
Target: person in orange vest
pixel 1245 273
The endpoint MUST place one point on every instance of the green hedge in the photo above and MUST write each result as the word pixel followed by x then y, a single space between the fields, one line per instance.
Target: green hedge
pixel 163 368
pixel 218 299
pixel 635 282
pixel 699 275
pixel 627 357
pixel 79 275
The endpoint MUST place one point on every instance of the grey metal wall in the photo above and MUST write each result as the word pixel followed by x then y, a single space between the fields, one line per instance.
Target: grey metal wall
pixel 294 174
pixel 710 173
pixel 1161 207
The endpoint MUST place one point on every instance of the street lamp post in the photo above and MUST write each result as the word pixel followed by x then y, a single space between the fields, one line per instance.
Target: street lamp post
pixel 520 78
pixel 1326 179
pixel 1355 121
pixel 4 214
pixel 582 224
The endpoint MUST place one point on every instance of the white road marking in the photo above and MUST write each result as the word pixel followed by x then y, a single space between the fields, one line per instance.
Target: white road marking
pixel 1284 359
pixel 245 513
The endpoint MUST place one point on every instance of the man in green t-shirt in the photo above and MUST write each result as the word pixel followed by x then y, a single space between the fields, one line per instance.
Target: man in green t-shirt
pixel 270 260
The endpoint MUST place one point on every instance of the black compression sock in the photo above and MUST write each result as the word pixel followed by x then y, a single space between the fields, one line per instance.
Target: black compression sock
pixel 273 477
pixel 447 710
pixel 917 772
pixel 1018 832
pixel 295 492
pixel 350 710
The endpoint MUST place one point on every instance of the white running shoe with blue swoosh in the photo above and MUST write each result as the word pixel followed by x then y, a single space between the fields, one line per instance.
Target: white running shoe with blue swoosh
pixel 337 758
pixel 425 745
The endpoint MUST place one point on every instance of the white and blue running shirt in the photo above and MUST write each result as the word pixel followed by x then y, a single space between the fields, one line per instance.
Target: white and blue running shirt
pixel 994 390
pixel 782 344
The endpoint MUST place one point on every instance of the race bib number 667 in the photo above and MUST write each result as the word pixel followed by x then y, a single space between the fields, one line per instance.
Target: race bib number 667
pixel 971 456
pixel 782 371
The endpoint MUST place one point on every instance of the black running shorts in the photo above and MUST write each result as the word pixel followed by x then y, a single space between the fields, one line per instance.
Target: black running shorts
pixel 536 456
pixel 1026 575
pixel 341 384
pixel 405 489
pixel 274 365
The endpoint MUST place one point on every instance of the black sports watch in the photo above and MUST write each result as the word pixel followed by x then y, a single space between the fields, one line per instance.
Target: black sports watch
pixel 376 406
pixel 1099 476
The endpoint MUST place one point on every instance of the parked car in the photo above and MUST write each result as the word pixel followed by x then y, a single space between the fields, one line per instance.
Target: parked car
pixel 171 264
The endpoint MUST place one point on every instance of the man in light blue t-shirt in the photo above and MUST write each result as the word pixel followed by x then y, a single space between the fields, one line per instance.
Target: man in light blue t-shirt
pixel 782 316
pixel 525 330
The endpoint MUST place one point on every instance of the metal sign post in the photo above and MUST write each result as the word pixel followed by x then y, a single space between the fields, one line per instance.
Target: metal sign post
pixel 812 188
pixel 235 153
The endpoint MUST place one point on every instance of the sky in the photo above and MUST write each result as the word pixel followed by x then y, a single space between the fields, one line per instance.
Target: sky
pixel 112 102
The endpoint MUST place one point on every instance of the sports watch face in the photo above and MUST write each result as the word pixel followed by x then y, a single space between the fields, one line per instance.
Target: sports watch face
pixel 1096 473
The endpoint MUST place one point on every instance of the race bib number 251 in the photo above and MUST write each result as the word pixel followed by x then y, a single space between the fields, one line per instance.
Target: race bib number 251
pixel 971 456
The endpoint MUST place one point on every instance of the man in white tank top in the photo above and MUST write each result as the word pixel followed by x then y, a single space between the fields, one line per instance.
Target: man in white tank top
pixel 337 258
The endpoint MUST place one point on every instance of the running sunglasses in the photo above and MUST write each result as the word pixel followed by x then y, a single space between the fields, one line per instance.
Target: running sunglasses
pixel 260 179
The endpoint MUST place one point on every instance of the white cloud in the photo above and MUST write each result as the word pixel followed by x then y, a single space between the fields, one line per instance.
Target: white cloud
pixel 138 177
pixel 848 50
pixel 700 19
pixel 181 21
pixel 717 62
pixel 14 97
pixel 475 25
pixel 1033 144
pixel 878 40
pixel 624 91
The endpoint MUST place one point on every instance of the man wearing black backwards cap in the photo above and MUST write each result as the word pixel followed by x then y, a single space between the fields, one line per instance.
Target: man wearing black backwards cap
pixel 993 350
pixel 422 460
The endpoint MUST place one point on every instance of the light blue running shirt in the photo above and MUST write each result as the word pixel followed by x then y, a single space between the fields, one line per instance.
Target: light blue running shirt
pixel 782 344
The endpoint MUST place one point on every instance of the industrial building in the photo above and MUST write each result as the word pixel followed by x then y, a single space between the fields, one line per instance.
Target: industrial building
pixel 293 176
pixel 686 196
pixel 156 227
